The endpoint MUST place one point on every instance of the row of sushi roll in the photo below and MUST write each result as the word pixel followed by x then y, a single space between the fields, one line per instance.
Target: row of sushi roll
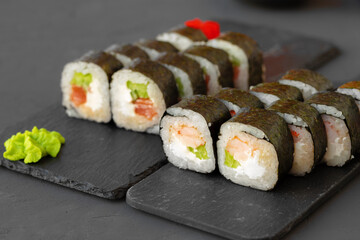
pixel 133 84
pixel 256 137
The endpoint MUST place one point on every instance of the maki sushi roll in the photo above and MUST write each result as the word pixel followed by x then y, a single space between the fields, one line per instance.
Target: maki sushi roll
pixel 182 38
pixel 351 89
pixel 341 118
pixel 85 86
pixel 155 48
pixel 255 151
pixel 269 93
pixel 140 95
pixel 307 81
pixel 187 72
pixel 127 54
pixel 245 56
pixel 215 65
pixel 238 101
pixel 308 132
pixel 188 129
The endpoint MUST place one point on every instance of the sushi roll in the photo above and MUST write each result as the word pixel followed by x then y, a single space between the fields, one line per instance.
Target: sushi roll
pixel 85 86
pixel 140 95
pixel 245 56
pixel 189 130
pixel 269 93
pixel 308 132
pixel 155 48
pixel 238 101
pixel 351 89
pixel 127 54
pixel 182 38
pixel 341 118
pixel 307 81
pixel 187 72
pixel 255 149
pixel 216 67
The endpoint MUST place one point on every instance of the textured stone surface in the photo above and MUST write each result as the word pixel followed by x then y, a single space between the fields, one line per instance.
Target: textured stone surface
pixel 98 159
pixel 213 204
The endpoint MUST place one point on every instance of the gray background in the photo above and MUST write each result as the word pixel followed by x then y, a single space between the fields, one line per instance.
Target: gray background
pixel 38 37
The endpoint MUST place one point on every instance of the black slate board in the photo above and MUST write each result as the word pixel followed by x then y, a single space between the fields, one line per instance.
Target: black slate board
pixel 98 159
pixel 105 161
pixel 284 50
pixel 213 204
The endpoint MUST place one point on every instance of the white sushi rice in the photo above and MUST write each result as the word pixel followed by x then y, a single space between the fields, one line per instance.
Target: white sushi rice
pixel 177 40
pixel 97 106
pixel 338 150
pixel 303 151
pixel 123 109
pixel 232 107
pixel 177 153
pixel 265 98
pixel 184 79
pixel 306 89
pixel 125 60
pixel 353 92
pixel 259 169
pixel 212 70
pixel 329 110
pixel 292 119
pixel 152 53
pixel 235 52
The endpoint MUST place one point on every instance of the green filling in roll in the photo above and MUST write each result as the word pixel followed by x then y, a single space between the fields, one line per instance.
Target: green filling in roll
pixel 180 87
pixel 200 152
pixel 81 80
pixel 138 90
pixel 230 161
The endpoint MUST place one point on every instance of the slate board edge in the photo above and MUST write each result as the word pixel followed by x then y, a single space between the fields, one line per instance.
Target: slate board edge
pixel 43 174
pixel 211 229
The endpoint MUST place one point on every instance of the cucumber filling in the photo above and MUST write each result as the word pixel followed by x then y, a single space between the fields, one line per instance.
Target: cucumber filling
pixel 230 161
pixel 200 152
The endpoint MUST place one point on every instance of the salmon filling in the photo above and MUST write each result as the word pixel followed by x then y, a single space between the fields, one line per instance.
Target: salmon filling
pixel 80 85
pixel 190 137
pixel 144 106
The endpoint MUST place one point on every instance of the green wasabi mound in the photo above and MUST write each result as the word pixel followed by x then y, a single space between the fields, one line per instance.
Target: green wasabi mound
pixel 32 146
pixel 81 80
pixel 138 90
pixel 200 152
pixel 230 161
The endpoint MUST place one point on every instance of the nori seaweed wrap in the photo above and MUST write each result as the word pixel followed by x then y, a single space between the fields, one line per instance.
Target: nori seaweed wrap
pixel 342 122
pixel 155 48
pixel 246 58
pixel 85 86
pixel 351 89
pixel 141 94
pixel 307 81
pixel 269 93
pixel 187 72
pixel 127 53
pixel 238 100
pixel 189 131
pixel 183 37
pixel 255 149
pixel 308 131
pixel 216 66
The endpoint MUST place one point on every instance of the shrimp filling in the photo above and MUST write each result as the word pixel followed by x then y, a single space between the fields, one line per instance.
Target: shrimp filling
pixel 190 137
pixel 338 141
pixel 244 154
pixel 303 151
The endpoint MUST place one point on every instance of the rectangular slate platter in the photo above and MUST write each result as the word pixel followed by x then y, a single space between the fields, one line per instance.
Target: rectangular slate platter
pixel 215 205
pixel 284 50
pixel 105 161
pixel 98 159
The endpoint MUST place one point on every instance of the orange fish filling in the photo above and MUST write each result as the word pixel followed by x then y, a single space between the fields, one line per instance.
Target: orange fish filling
pixel 145 107
pixel 188 135
pixel 78 95
pixel 239 148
